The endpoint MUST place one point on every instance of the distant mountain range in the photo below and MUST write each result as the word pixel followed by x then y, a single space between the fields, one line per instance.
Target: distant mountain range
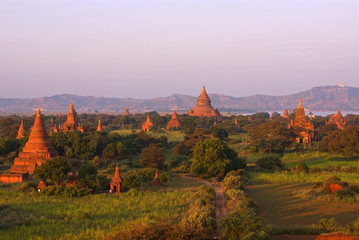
pixel 324 98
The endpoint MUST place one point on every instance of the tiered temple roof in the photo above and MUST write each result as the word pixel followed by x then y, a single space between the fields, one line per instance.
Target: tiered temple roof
pixel 116 184
pixel 204 107
pixel 37 150
pixel 337 119
pixel 174 122
pixel 72 123
pixel 307 133
pixel 147 125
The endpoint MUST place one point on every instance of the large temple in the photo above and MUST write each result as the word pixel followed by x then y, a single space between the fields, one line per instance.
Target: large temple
pixel 37 150
pixel 307 129
pixel 204 107
pixel 337 119
pixel 72 122
pixel 174 122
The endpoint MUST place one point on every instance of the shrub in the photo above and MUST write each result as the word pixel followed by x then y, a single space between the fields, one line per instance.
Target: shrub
pixel 356 226
pixel 68 191
pixel 146 175
pixel 163 178
pixel 302 167
pixel 131 181
pixel 232 182
pixel 326 226
pixel 270 163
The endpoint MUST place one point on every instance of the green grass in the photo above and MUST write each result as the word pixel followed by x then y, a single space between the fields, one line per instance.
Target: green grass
pixel 30 215
pixel 286 177
pixel 172 136
pixel 280 207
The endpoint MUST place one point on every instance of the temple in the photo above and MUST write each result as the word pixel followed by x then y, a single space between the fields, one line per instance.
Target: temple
pixel 147 125
pixel 21 132
pixel 99 127
pixel 337 119
pixel 116 185
pixel 307 129
pixel 285 113
pixel 127 113
pixel 37 150
pixel 204 107
pixel 72 123
pixel 173 123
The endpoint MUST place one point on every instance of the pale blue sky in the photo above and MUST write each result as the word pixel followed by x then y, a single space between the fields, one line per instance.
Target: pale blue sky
pixel 150 48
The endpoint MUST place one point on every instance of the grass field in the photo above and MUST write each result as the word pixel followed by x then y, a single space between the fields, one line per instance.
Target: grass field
pixel 30 215
pixel 280 207
pixel 172 136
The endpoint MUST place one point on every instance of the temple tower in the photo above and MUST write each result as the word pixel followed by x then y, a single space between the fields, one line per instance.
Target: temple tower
pixel 116 185
pixel 147 125
pixel 72 122
pixel 300 121
pixel 37 150
pixel 285 113
pixel 127 113
pixel 174 122
pixel 99 127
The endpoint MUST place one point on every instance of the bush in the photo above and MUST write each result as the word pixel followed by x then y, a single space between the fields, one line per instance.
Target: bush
pixel 232 182
pixel 67 191
pixel 356 226
pixel 146 175
pixel 326 226
pixel 163 178
pixel 131 181
pixel 302 167
pixel 270 163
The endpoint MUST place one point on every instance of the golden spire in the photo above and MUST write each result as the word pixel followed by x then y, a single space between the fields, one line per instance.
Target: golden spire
pixel 99 127
pixel 300 103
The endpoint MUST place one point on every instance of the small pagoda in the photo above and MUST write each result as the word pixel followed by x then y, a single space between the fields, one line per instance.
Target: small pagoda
pixel 99 127
pixel 72 122
pixel 37 150
pixel 285 113
pixel 21 132
pixel 116 185
pixel 204 107
pixel 147 125
pixel 155 181
pixel 127 113
pixel 174 122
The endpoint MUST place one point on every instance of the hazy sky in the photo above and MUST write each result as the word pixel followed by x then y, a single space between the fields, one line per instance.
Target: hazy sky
pixel 151 48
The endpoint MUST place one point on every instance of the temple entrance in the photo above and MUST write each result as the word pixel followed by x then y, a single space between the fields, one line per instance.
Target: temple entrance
pixel 114 188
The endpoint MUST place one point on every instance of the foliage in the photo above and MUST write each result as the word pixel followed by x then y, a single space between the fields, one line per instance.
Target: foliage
pixel 87 170
pixel 55 169
pixel 8 145
pixel 214 157
pixel 302 167
pixel 271 136
pixel 346 142
pixel 153 156
pixel 163 178
pixel 270 163
pixel 326 226
pixel 232 182
pixel 66 191
pixel 219 132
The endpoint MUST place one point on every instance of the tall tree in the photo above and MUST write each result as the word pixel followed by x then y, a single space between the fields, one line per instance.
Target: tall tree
pixel 153 156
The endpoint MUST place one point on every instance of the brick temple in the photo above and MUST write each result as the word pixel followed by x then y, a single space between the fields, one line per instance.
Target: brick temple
pixel 204 107
pixel 72 122
pixel 337 119
pixel 147 125
pixel 174 122
pixel 307 129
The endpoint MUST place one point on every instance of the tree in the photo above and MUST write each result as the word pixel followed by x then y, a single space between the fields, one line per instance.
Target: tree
pixel 153 156
pixel 87 170
pixel 346 142
pixel 271 136
pixel 55 169
pixel 8 145
pixel 219 132
pixel 110 151
pixel 214 157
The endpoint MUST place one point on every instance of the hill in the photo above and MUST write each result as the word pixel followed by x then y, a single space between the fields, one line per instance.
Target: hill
pixel 324 98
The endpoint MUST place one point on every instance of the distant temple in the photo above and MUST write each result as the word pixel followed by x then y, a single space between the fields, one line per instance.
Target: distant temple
pixel 204 107
pixel 21 132
pixel 99 127
pixel 116 185
pixel 127 113
pixel 285 113
pixel 156 181
pixel 147 125
pixel 37 150
pixel 337 119
pixel 72 123
pixel 307 133
pixel 174 122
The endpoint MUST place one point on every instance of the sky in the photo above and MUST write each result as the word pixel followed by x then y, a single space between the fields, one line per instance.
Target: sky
pixel 154 48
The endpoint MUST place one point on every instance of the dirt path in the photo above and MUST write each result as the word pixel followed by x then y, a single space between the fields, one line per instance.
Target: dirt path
pixel 221 209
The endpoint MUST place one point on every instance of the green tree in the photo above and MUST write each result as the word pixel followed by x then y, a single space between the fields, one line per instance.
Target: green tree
pixel 110 151
pixel 8 145
pixel 219 132
pixel 153 156
pixel 214 157
pixel 55 169
pixel 271 136
pixel 346 142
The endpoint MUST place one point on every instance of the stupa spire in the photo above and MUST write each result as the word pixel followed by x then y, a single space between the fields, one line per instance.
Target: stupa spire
pixel 173 123
pixel 99 127
pixel 21 132
pixel 127 113
pixel 300 103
